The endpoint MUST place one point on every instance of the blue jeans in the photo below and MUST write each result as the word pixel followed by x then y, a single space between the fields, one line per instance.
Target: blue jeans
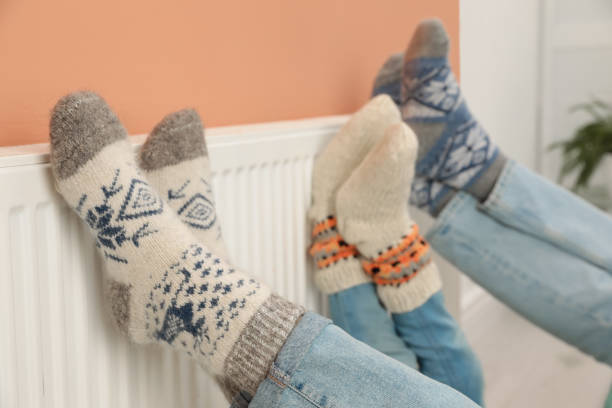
pixel 322 366
pixel 427 338
pixel 541 251
pixel 535 206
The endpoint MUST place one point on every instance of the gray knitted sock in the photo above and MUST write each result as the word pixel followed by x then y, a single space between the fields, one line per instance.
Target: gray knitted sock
pixel 168 287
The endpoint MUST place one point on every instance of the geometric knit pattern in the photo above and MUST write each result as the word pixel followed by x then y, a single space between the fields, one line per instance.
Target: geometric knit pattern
pixel 338 263
pixel 110 232
pixel 426 191
pixel 192 304
pixel 328 247
pixel 197 210
pixel 401 262
pixel 175 160
pixel 430 94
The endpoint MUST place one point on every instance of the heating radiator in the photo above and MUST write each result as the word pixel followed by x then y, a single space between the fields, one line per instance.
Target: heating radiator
pixel 57 346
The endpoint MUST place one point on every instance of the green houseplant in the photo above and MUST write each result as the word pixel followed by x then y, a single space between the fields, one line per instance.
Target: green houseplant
pixel 585 151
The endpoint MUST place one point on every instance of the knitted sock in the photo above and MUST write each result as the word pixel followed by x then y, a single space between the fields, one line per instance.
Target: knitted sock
pixel 337 265
pixel 169 288
pixel 372 215
pixel 424 189
pixel 175 161
pixel 455 149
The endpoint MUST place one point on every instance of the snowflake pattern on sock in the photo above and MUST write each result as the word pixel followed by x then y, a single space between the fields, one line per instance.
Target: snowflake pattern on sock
pixel 430 94
pixel 434 94
pixel 462 156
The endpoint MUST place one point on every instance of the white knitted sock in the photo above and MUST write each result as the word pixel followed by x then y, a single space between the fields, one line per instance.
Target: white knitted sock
pixel 338 266
pixel 168 287
pixel 373 215
pixel 175 160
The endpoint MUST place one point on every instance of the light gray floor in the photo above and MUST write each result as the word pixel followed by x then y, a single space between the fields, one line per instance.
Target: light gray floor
pixel 526 367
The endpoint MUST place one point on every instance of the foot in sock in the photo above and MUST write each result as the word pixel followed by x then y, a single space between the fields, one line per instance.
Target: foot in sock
pixel 454 149
pixel 424 189
pixel 373 216
pixel 337 265
pixel 175 161
pixel 168 288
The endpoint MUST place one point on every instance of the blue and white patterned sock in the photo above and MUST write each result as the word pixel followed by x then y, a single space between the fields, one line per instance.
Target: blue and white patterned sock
pixel 455 152
pixel 424 189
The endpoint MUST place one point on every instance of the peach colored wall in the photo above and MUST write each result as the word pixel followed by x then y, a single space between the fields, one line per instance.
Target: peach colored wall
pixel 235 61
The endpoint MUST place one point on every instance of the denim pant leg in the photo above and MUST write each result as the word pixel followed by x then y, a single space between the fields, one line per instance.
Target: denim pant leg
pixel 442 350
pixel 558 291
pixel 358 311
pixel 321 366
pixel 528 202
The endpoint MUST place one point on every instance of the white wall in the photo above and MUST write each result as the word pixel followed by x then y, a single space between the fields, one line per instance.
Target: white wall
pixel 499 78
pixel 523 64
pixel 576 66
pixel 499 71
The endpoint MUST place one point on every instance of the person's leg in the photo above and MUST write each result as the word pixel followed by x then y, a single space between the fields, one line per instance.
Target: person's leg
pixel 455 152
pixel 559 292
pixel 372 215
pixel 535 206
pixel 358 311
pixel 608 403
pixel 354 305
pixel 322 366
pixel 511 193
pixel 442 349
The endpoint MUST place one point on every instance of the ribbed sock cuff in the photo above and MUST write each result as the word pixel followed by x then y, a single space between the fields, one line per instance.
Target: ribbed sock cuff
pixel 343 275
pixel 247 364
pixel 412 294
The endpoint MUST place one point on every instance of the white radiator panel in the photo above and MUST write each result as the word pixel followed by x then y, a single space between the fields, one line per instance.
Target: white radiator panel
pixel 57 346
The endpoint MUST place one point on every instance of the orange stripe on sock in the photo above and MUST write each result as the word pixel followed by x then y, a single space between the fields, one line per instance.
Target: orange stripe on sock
pixel 396 281
pixel 412 249
pixel 406 242
pixel 335 246
pixel 326 224
pixel 332 244
pixel 350 252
